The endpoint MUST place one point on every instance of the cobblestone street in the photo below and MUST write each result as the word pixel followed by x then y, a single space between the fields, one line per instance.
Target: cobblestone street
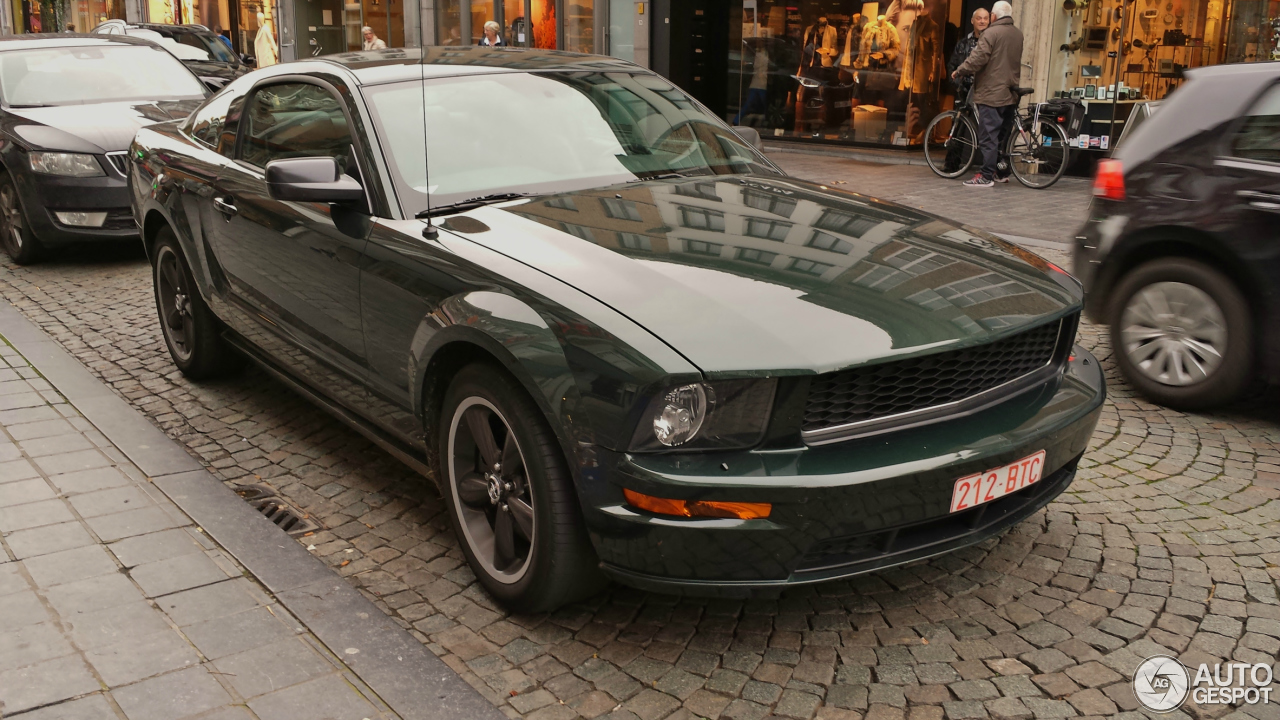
pixel 1167 542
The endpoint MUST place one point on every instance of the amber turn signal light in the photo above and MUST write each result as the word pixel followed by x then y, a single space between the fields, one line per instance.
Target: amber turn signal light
pixel 697 508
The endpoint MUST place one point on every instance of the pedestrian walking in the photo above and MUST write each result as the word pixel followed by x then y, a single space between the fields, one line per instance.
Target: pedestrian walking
pixel 491 37
pixel 996 65
pixel 372 41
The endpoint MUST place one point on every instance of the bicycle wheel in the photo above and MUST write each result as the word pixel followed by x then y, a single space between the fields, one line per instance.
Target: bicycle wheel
pixel 950 144
pixel 1038 159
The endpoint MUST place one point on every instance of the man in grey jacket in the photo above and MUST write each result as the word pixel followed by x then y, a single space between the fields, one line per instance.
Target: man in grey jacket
pixel 996 64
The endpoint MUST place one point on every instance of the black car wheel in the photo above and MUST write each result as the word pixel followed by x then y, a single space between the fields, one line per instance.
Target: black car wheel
pixel 1181 333
pixel 510 494
pixel 190 329
pixel 15 232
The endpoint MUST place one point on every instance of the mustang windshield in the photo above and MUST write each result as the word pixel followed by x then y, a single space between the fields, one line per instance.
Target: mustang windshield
pixel 546 132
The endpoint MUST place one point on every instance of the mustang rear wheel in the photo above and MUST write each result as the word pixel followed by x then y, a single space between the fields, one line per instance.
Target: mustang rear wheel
pixel 15 232
pixel 190 330
pixel 510 494
pixel 1182 334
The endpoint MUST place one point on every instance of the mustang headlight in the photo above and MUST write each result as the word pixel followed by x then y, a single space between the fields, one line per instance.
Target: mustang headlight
pixel 65 164
pixel 706 416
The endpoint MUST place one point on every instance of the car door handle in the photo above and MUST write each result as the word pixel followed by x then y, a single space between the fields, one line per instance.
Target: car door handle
pixel 224 207
pixel 1260 200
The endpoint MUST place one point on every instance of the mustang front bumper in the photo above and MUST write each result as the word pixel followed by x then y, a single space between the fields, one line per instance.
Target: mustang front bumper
pixel 840 509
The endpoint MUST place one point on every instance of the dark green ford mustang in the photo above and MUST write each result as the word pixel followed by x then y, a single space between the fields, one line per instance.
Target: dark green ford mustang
pixel 619 339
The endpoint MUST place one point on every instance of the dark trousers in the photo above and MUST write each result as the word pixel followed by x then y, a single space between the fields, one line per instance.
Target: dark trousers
pixel 994 126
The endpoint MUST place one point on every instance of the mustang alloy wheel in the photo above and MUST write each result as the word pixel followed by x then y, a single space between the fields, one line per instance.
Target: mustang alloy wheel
pixel 491 490
pixel 190 329
pixel 1181 333
pixel 510 493
pixel 21 245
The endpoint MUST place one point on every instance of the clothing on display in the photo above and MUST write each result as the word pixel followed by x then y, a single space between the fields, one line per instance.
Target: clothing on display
pixel 265 51
pixel 880 44
pixel 819 46
pixel 920 60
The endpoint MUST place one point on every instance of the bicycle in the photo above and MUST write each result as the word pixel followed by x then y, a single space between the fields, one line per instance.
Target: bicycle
pixel 1036 151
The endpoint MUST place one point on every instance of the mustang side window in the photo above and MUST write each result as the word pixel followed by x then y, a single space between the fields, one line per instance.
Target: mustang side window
pixel 1259 137
pixel 293 120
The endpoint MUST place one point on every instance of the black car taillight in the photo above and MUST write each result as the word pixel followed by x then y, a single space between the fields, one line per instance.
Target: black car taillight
pixel 1108 183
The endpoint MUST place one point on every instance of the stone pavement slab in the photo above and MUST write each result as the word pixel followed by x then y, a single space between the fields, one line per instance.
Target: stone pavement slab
pixel 96 630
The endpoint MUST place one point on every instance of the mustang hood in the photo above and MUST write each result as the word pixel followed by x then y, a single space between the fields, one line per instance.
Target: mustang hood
pixel 770 275
pixel 97 128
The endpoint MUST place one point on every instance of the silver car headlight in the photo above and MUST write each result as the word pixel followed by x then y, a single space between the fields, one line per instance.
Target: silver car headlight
pixel 706 416
pixel 65 164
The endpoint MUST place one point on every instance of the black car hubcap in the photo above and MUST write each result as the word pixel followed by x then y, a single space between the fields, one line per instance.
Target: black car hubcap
pixel 491 490
pixel 175 304
pixel 12 218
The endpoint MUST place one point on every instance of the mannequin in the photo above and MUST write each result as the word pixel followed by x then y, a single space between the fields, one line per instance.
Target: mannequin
pixel 879 46
pixel 852 41
pixel 923 50
pixel 264 45
pixel 819 46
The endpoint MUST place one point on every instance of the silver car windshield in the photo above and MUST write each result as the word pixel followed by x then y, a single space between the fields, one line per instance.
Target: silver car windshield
pixel 85 75
pixel 546 132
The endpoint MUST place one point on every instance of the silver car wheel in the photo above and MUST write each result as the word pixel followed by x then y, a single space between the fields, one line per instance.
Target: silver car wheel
pixel 1174 333
pixel 491 490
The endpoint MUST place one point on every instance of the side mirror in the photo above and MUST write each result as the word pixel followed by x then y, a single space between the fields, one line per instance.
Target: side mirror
pixel 750 135
pixel 248 60
pixel 311 179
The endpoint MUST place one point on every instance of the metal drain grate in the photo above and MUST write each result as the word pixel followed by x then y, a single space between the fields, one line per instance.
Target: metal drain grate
pixel 265 500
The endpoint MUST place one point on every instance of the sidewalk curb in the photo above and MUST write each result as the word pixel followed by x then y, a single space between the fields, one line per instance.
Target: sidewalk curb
pixel 846 152
pixel 415 683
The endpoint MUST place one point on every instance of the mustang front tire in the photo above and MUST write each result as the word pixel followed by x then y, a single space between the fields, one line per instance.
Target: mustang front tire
pixel 510 494
pixel 190 329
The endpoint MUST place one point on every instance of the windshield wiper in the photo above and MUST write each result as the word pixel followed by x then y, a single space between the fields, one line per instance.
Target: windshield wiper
pixel 661 176
pixel 471 204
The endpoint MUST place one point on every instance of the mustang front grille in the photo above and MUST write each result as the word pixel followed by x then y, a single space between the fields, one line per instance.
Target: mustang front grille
pixel 873 399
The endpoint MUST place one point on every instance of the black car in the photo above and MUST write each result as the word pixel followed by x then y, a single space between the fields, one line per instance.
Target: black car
pixel 69 107
pixel 199 48
pixel 1181 252
pixel 621 340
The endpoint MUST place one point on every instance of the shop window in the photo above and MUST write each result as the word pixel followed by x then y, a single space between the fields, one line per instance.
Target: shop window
pixel 767 202
pixel 620 209
pixel 702 247
pixel 579 26
pixel 830 243
pixel 563 203
pixel 579 231
pixel 840 70
pixel 294 120
pixel 634 241
pixel 846 223
pixel 1259 135
pixel 702 219
pixel 809 267
pixel 759 257
pixel 767 229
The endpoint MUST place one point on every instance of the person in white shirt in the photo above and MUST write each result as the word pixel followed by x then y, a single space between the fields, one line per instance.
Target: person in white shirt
pixel 371 41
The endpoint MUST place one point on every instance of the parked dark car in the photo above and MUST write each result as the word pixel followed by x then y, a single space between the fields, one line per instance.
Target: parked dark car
pixel 69 107
pixel 622 342
pixel 1181 252
pixel 198 47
